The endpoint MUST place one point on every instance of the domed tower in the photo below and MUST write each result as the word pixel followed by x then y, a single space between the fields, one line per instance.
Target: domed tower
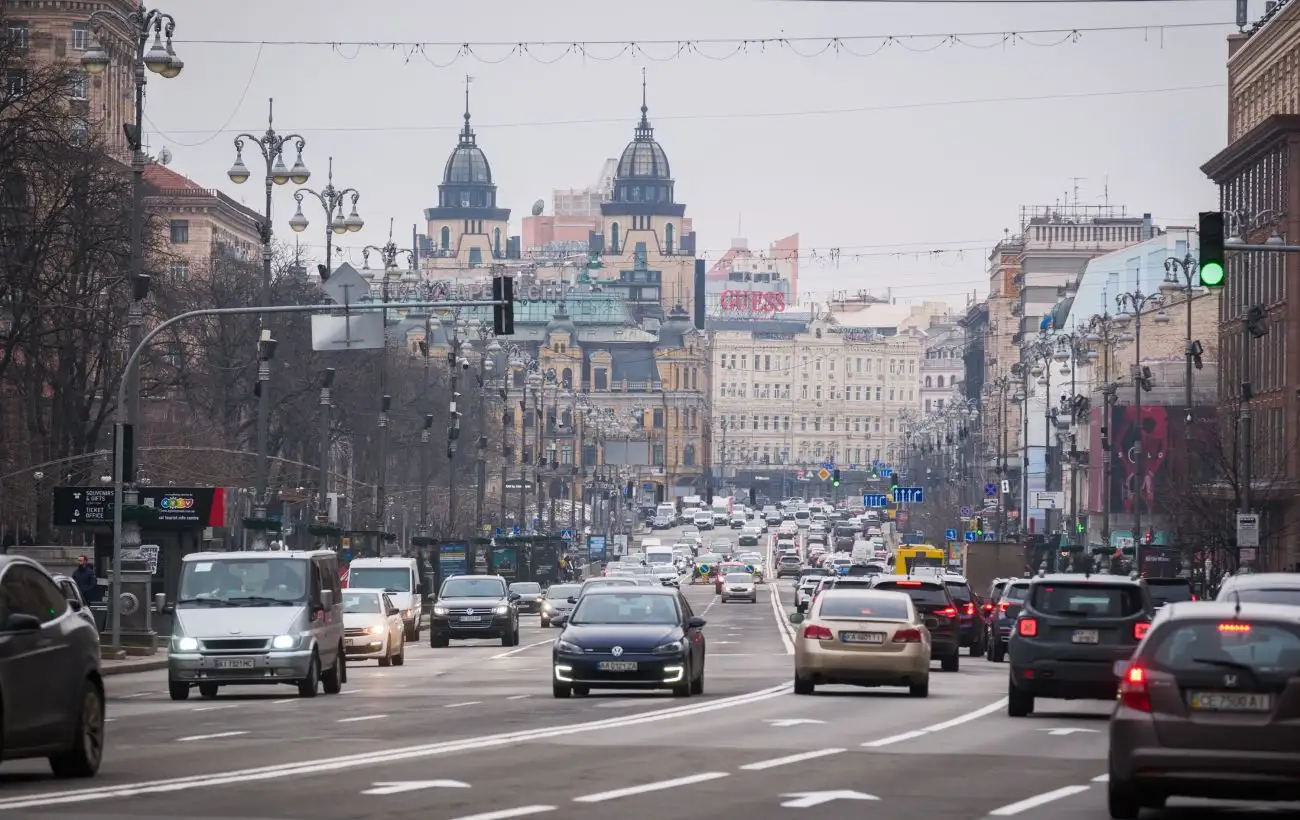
pixel 642 199
pixel 466 224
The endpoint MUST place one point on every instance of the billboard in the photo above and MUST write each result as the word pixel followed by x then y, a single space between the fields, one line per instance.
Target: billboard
pixel 176 507
pixel 1160 435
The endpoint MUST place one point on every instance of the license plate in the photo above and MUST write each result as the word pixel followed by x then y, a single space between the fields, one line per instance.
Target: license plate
pixel 617 666
pixel 1084 636
pixel 470 619
pixel 1230 702
pixel 862 637
pixel 233 663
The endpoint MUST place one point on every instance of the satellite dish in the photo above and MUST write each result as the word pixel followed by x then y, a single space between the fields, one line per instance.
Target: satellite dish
pixel 164 157
pixel 538 207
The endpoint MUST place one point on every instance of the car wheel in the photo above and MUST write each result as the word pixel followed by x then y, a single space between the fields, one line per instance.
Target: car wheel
pixel 386 659
pixel 310 685
pixel 952 663
pixel 400 658
pixel 561 691
pixel 1122 800
pixel 87 750
pixel 546 624
pixel 697 685
pixel 208 690
pixel 333 680
pixel 803 686
pixel 999 653
pixel 1019 704
pixel 683 690
pixel 178 690
pixel 413 634
pixel 920 690
pixel 439 641
pixel 581 691
pixel 976 650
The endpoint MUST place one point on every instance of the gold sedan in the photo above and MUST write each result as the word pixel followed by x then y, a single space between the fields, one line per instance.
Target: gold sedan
pixel 862 637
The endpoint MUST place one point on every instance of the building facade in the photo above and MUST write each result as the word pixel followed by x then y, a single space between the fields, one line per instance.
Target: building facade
pixel 748 284
pixel 943 366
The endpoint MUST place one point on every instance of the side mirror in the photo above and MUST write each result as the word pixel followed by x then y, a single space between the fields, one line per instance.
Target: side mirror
pixel 160 602
pixel 572 599
pixel 327 598
pixel 513 596
pixel 1121 668
pixel 796 618
pixel 696 622
pixel 74 604
pixel 559 620
pixel 22 622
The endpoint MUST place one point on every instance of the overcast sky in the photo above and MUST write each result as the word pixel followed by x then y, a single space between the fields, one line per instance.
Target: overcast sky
pixel 929 144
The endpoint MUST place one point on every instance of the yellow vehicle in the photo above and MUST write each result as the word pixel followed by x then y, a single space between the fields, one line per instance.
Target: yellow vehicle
pixel 917 555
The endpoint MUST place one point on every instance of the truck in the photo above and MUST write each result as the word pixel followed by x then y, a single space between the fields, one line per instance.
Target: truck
pixel 984 561
pixel 722 509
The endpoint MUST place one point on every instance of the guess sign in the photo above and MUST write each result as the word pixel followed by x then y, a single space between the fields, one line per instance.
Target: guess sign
pixel 752 301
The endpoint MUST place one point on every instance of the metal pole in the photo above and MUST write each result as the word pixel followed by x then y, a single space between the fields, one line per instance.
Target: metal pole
pixel 325 445
pixel 1137 420
pixel 381 486
pixel 1002 456
pixel 1245 417
pixel 481 496
pixel 453 432
pixel 523 462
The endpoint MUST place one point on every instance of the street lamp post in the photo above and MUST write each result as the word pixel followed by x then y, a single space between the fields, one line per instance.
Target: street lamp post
pixel 271 145
pixel 1132 305
pixel 1183 276
pixel 327 382
pixel 331 199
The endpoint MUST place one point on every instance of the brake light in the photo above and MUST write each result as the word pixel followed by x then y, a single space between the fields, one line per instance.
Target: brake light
pixel 1133 690
pixel 1140 630
pixel 908 583
pixel 970 609
pixel 947 613
pixel 1234 627
pixel 1027 627
pixel 1194 598
pixel 907 636
pixel 988 607
pixel 813 632
pixel 1002 607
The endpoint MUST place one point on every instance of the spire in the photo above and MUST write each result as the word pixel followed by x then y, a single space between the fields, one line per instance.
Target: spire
pixel 467 133
pixel 643 129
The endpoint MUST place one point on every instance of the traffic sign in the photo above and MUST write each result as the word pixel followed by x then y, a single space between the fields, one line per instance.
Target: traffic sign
pixel 823 474
pixel 886 472
pixel 878 501
pixel 950 535
pixel 990 535
pixel 970 536
pixel 567 535
pixel 909 495
pixel 1247 530
pixel 990 489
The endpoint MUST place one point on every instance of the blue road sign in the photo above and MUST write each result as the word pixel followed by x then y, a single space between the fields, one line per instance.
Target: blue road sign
pixel 990 489
pixel 965 512
pixel 596 548
pixel 990 536
pixel 878 501
pixel 909 495
pixel 886 472
pixel 950 535
pixel 567 535
pixel 853 467
pixel 970 536
pixel 514 530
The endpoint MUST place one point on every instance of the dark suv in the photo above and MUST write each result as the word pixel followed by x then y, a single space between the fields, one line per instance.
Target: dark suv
pixel 971 619
pixel 1070 632
pixel 1169 591
pixel 474 606
pixel 937 609
pixel 1003 617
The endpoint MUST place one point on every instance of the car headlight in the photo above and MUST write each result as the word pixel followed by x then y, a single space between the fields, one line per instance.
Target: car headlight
pixel 546 606
pixel 284 642
pixel 440 610
pixel 501 610
pixel 407 613
pixel 565 646
pixel 187 644
pixel 670 648
pixel 377 629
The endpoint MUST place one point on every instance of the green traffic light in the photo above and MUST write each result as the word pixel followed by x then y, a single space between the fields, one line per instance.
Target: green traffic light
pixel 1211 274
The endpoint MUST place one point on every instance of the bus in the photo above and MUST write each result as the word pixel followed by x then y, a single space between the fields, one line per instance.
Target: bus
pixel 918 555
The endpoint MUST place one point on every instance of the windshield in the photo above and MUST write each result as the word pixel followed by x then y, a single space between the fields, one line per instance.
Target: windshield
pixel 625 608
pixel 920 594
pixel 789 559
pixel 609 582
pixel 1271 649
pixel 526 588
pixel 1282 595
pixel 960 593
pixel 1169 592
pixel 562 591
pixel 1015 593
pixel 473 588
pixel 360 602
pixel 397 579
pixel 872 607
pixel 739 578
pixel 1088 600
pixel 244 582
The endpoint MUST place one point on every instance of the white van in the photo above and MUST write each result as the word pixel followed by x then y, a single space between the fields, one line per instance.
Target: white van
pixel 400 578
pixel 802 518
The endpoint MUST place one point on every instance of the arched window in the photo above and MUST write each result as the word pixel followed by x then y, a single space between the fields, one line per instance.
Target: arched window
pixel 613 238
pixel 444 241
pixel 670 233
pixel 566 378
pixel 939 379
pixel 688 456
pixel 496 242
pixel 928 382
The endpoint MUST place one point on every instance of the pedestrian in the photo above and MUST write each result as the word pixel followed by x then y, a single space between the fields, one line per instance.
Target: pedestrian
pixel 84 577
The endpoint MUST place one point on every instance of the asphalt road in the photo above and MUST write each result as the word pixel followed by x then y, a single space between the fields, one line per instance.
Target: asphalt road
pixel 471 732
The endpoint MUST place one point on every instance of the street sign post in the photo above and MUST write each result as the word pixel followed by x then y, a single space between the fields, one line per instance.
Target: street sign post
pixel 990 489
pixel 823 474
pixel 965 512
pixel 1247 530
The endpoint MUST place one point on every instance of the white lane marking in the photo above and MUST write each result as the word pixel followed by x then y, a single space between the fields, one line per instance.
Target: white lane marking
pixel 209 737
pixel 215 708
pixel 517 650
pixel 996 706
pixel 379 758
pixel 402 786
pixel 286 700
pixel 1038 800
pixel 109 720
pixel 783 627
pixel 462 703
pixel 714 600
pixel 135 695
pixel 516 697
pixel 360 718
pixel 661 785
pixel 788 759
pixel 506 814
pixel 892 739
pixel 1101 778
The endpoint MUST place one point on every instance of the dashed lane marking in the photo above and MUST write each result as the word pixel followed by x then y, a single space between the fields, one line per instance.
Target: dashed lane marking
pixel 790 759
pixel 660 785
pixel 216 736
pixel 360 718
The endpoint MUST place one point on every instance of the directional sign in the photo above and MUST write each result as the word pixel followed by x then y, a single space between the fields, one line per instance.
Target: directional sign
pixel 175 507
pixel 886 472
pixel 990 535
pixel 781 724
pixel 878 501
pixel 399 786
pixel 909 495
pixel 808 800
pixel 990 489
pixel 1067 731
pixel 970 536
pixel 950 535
pixel 566 535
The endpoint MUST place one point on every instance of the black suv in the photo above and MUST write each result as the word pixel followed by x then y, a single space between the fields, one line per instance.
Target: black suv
pixel 1070 632
pixel 934 604
pixel 1002 620
pixel 1169 591
pixel 971 619
pixel 474 606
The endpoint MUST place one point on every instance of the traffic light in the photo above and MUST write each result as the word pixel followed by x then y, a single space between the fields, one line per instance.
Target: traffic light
pixel 835 478
pixel 1211 240
pixel 979 526
pixel 503 315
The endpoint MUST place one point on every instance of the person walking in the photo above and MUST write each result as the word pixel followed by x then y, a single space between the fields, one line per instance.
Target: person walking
pixel 84 577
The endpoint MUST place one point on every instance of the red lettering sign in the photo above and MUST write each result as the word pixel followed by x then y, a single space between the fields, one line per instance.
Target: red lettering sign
pixel 752 301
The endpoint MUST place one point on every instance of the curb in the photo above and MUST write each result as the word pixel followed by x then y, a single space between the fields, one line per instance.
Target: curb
pixel 124 667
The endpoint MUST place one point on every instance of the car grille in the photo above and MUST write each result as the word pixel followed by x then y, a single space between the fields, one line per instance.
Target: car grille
pixel 234 644
pixel 356 631
pixel 486 610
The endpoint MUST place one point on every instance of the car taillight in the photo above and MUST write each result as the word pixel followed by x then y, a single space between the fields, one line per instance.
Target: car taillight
pixel 970 609
pixel 907 636
pixel 1003 608
pixel 988 607
pixel 1027 627
pixel 950 612
pixel 813 632
pixel 1133 690
pixel 1194 598
pixel 1140 630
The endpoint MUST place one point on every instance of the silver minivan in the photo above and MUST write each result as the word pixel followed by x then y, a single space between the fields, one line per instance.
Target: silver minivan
pixel 248 618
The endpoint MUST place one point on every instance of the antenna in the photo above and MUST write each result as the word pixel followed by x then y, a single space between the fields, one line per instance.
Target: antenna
pixel 1236 597
pixel 1076 181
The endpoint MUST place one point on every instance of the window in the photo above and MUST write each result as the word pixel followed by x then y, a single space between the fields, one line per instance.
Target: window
pixel 601 377
pixel 18 33
pixel 476 256
pixel 180 231
pixel 1094 599
pixel 444 238
pixel 79 86
pixel 25 591
pixel 928 382
pixel 180 271
pixel 658 421
pixel 658 455
pixel 613 238
pixel 17 83
pixel 670 234
pixel 80 36
pixel 639 258
pixel 688 455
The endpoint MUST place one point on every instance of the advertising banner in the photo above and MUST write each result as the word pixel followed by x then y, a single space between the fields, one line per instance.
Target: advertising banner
pixel 177 507
pixel 452 560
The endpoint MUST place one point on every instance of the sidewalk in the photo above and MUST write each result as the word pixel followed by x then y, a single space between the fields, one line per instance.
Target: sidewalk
pixel 142 663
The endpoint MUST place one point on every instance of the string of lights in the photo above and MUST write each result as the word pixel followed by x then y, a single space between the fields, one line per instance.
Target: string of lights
pixel 446 53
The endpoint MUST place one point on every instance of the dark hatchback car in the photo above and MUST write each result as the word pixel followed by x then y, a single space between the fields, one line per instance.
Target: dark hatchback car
pixel 629 638
pixel 530 596
pixel 937 609
pixel 474 606
pixel 1070 632
pixel 51 691
pixel 971 620
pixel 1003 618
